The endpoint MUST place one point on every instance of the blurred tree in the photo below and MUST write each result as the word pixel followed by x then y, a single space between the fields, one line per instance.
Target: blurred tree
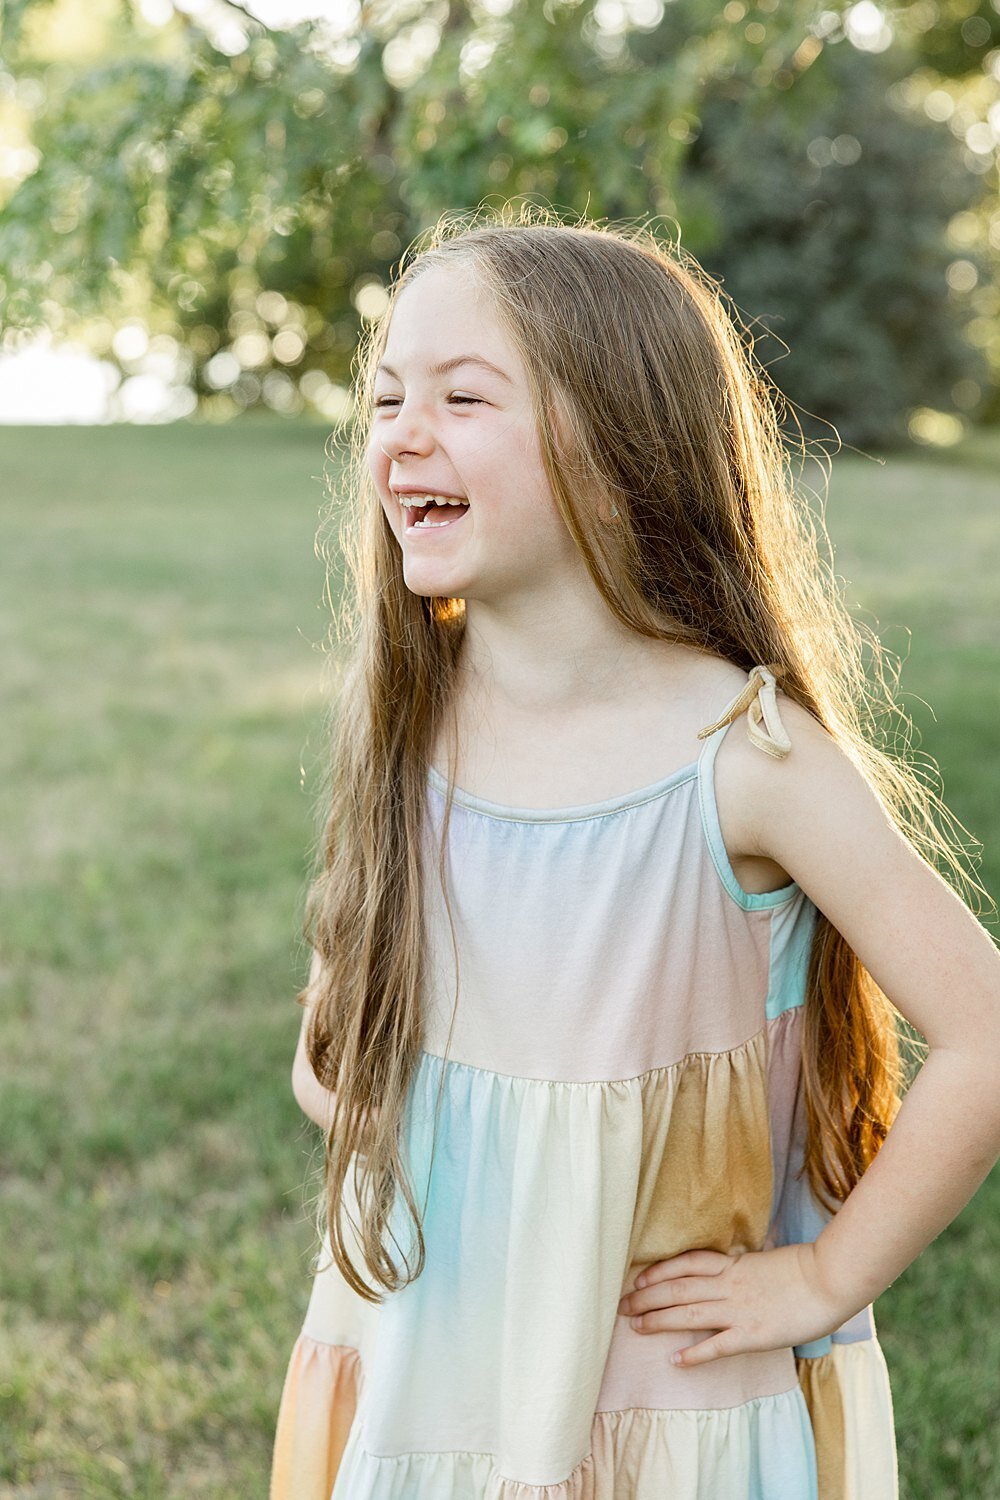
pixel 954 37
pixel 247 190
pixel 819 234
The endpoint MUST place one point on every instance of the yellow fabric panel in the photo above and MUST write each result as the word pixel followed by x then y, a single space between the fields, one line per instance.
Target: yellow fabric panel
pixel 820 1384
pixel 707 1177
pixel 318 1403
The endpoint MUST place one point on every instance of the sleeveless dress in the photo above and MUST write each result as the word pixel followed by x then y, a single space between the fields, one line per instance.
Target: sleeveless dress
pixel 623 1084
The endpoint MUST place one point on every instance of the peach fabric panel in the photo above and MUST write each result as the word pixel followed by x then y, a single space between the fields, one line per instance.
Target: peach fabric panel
pixel 317 1408
pixel 325 1376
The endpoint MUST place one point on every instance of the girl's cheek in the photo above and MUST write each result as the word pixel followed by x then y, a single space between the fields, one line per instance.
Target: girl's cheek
pixel 393 512
pixel 378 463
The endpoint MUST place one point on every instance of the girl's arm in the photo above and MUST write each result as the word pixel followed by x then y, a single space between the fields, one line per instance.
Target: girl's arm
pixel 817 817
pixel 312 1098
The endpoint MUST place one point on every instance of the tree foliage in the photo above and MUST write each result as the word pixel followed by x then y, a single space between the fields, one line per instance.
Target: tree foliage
pixel 819 232
pixel 179 176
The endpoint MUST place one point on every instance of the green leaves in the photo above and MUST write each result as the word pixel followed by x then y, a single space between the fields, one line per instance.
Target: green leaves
pixel 179 172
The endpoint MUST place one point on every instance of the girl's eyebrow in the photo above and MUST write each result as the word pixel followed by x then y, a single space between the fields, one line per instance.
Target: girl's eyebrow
pixel 447 365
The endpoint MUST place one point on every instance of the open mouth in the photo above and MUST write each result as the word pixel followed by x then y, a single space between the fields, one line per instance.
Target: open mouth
pixel 425 513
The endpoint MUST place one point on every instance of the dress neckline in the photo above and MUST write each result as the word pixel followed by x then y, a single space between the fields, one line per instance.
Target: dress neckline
pixel 764 728
pixel 581 812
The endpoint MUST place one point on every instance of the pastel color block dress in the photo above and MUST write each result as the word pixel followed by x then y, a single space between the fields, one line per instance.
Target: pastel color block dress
pixel 623 1084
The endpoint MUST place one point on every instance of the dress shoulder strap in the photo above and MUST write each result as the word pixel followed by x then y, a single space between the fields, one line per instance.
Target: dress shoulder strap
pixel 759 698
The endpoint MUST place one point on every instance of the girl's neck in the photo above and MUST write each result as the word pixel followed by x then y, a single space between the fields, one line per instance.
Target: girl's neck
pixel 592 738
pixel 562 666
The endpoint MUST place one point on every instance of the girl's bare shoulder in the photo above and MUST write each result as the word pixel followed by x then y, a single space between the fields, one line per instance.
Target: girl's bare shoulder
pixel 819 816
pixel 738 770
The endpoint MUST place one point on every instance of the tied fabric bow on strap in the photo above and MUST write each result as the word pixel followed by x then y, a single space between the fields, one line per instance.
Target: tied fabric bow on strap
pixel 760 701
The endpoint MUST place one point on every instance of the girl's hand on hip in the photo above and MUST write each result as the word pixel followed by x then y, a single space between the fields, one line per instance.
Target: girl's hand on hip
pixel 757 1300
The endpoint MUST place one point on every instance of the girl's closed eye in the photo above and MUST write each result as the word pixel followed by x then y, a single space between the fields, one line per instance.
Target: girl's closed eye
pixel 386 401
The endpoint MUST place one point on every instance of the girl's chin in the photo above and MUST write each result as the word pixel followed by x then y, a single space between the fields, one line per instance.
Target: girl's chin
pixel 440 582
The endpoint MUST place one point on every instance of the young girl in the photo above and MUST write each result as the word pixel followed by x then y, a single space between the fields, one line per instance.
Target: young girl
pixel 618 902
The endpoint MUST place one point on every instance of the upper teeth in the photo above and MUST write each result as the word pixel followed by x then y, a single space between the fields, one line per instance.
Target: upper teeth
pixel 411 502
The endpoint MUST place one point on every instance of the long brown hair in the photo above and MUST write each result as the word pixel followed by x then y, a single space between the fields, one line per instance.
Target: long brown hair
pixel 662 409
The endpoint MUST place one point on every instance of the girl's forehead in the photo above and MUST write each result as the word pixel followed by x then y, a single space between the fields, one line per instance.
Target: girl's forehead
pixel 457 277
pixel 444 312
pixel 442 297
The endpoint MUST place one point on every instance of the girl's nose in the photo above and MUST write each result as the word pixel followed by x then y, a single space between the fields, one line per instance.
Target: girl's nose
pixel 407 438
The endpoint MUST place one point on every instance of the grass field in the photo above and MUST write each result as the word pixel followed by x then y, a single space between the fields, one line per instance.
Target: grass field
pixel 162 627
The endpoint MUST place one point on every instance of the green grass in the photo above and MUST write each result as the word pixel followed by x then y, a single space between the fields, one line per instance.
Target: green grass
pixel 162 621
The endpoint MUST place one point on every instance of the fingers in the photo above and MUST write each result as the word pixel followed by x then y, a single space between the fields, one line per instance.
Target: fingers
pixel 672 1293
pixel 678 1319
pixel 690 1263
pixel 712 1348
pixel 681 1294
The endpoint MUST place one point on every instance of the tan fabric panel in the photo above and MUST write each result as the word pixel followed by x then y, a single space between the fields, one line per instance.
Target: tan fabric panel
pixel 707 1178
pixel 821 1387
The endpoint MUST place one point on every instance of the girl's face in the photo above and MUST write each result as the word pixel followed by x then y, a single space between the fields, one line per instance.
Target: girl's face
pixel 453 417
